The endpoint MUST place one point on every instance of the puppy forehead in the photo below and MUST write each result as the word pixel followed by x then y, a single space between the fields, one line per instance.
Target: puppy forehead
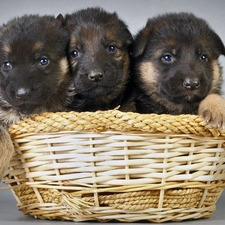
pixel 84 35
pixel 18 48
pixel 37 46
pixel 74 40
pixel 175 45
pixel 6 48
pixel 112 35
pixel 92 36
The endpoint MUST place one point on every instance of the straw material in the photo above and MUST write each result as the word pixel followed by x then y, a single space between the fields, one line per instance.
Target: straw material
pixel 116 166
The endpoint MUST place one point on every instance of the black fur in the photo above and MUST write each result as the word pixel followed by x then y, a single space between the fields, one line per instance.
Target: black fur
pixel 175 64
pixel 99 58
pixel 34 72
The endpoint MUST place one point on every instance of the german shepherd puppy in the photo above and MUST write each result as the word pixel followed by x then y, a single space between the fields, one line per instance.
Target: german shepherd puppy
pixel 34 73
pixel 99 58
pixel 176 68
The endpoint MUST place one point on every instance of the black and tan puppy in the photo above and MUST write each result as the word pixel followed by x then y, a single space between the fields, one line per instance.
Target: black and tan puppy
pixel 99 58
pixel 175 68
pixel 34 73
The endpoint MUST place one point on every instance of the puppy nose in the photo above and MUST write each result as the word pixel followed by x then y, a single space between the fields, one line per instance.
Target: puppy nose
pixel 191 83
pixel 95 75
pixel 22 94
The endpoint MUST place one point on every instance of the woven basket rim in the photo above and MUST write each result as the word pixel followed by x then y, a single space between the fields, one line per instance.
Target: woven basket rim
pixel 115 120
pixel 108 165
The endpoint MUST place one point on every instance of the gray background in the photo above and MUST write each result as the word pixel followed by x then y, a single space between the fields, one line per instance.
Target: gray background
pixel 135 13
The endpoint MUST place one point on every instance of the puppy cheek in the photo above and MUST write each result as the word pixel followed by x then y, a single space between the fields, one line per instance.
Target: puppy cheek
pixel 64 67
pixel 73 64
pixel 148 73
pixel 217 78
pixel 126 64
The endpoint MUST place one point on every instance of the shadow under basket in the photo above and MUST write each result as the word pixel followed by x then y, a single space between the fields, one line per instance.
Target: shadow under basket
pixel 116 166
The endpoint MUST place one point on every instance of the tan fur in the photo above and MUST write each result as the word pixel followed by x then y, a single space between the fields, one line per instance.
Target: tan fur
pixel 216 74
pixel 73 41
pixel 126 63
pixel 7 48
pixel 6 150
pixel 64 67
pixel 148 73
pixel 37 46
pixel 74 63
pixel 177 84
pixel 27 73
pixel 212 109
pixel 121 56
pixel 148 70
pixel 91 40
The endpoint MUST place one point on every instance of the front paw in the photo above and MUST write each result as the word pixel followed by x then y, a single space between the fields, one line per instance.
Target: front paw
pixel 212 110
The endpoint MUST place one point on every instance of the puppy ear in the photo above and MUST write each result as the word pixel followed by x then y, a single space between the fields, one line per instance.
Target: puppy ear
pixel 140 42
pixel 61 18
pixel 68 20
pixel 219 45
pixel 129 37
pixel 222 48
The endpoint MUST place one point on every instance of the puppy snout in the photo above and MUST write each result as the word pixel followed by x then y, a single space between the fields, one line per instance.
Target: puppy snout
pixel 22 94
pixel 95 75
pixel 191 83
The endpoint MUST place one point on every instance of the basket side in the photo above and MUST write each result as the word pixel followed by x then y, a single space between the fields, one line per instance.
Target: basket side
pixel 110 175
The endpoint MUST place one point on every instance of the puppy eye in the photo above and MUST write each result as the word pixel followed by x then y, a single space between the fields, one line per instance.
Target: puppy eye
pixel 112 48
pixel 204 58
pixel 74 53
pixel 167 58
pixel 44 61
pixel 7 65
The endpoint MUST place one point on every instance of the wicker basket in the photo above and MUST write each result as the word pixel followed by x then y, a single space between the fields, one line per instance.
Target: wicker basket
pixel 116 166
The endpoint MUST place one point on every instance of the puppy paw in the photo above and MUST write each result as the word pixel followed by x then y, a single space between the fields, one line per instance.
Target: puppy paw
pixel 212 110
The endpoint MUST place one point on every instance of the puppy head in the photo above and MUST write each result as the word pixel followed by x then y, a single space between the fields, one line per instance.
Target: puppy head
pixel 176 55
pixel 34 67
pixel 98 53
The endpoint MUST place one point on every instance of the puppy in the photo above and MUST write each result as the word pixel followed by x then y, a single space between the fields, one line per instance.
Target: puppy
pixel 99 58
pixel 34 73
pixel 176 69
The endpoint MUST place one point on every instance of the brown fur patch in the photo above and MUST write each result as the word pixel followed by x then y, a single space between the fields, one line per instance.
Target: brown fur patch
pixel 149 73
pixel 175 67
pixel 212 109
pixel 64 68
pixel 29 83
pixel 37 46
pixel 6 150
pixel 91 38
pixel 73 40
pixel 126 63
pixel 99 58
pixel 6 48
pixel 216 75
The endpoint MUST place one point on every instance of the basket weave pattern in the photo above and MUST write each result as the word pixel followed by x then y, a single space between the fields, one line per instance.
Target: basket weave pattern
pixel 114 165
